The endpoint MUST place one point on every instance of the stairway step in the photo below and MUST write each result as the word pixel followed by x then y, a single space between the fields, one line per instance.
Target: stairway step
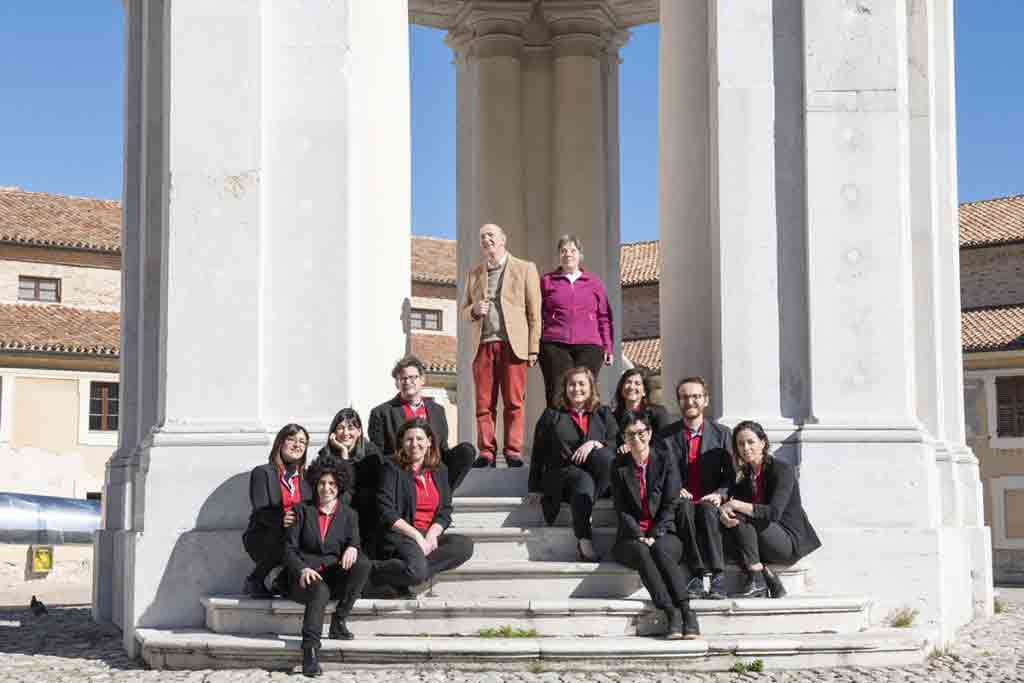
pixel 572 617
pixel 496 512
pixel 499 481
pixel 526 580
pixel 203 649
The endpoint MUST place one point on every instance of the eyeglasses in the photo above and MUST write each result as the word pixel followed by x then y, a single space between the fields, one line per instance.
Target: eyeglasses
pixel 409 379
pixel 294 440
pixel 636 434
pixel 688 397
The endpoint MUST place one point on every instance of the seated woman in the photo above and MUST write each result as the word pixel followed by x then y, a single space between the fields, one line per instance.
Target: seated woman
pixel 275 490
pixel 633 397
pixel 572 455
pixel 763 517
pixel 345 440
pixel 323 559
pixel 414 503
pixel 645 488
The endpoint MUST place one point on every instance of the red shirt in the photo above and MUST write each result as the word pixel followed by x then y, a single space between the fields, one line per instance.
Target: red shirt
pixel 427 501
pixel 291 490
pixel 582 420
pixel 759 488
pixel 420 411
pixel 692 456
pixel 325 519
pixel 645 514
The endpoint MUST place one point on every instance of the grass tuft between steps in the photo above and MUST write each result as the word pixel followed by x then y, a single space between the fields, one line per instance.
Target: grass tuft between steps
pixel 508 631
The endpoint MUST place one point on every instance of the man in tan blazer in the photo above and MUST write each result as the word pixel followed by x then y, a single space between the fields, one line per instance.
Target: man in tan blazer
pixel 502 303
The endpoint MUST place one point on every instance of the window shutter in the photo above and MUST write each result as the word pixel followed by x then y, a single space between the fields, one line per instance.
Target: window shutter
pixel 1010 406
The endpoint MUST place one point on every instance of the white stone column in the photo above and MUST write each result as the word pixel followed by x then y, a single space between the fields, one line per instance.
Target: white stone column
pixel 274 242
pixel 684 191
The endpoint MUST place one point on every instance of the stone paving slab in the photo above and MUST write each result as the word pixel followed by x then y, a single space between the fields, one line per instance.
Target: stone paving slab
pixel 66 646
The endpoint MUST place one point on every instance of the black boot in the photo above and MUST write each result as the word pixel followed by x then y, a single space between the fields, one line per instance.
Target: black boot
pixel 675 624
pixel 775 587
pixel 339 630
pixel 753 587
pixel 311 661
pixel 717 586
pixel 691 629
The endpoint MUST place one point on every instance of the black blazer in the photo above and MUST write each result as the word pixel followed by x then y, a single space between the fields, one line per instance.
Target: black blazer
pixel 396 496
pixel 655 413
pixel 662 494
pixel 265 497
pixel 303 547
pixel 386 419
pixel 782 504
pixel 716 469
pixel 366 464
pixel 557 437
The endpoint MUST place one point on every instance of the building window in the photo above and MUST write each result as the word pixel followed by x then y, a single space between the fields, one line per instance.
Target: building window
pixel 1010 406
pixel 425 319
pixel 103 406
pixel 38 288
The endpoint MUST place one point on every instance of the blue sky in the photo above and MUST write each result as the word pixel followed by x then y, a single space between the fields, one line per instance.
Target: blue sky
pixel 61 108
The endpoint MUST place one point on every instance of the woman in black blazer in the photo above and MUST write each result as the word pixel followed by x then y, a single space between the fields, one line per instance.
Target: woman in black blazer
pixel 633 397
pixel 346 440
pixel 764 519
pixel 645 488
pixel 275 490
pixel 323 559
pixel 414 502
pixel 573 449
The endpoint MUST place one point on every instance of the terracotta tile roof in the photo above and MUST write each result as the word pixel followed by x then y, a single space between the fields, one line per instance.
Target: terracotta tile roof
pixel 437 351
pixel 640 263
pixel 992 328
pixel 59 329
pixel 433 260
pixel 644 352
pixel 53 220
pixel 992 221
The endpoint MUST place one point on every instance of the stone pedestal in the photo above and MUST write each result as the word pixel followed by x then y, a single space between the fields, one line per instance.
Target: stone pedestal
pixel 266 245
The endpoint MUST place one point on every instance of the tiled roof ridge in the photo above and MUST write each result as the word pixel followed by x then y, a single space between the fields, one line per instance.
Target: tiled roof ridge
pixel 1004 198
pixel 55 328
pixel 11 189
pixel 991 307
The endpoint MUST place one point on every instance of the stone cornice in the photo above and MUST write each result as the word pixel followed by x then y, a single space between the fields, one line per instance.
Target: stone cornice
pixel 448 14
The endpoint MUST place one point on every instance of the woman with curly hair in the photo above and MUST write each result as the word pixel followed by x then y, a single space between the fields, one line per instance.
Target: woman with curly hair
pixel 414 501
pixel 275 490
pixel 323 559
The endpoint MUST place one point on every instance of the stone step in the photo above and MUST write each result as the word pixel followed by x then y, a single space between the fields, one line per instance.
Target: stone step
pixel 203 649
pixel 499 481
pixel 495 512
pixel 573 617
pixel 526 580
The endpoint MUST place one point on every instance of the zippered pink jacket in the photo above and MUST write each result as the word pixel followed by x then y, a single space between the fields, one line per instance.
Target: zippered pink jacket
pixel 575 313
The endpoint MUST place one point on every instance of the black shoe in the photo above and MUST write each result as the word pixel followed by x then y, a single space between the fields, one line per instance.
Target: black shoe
pixel 675 624
pixel 753 587
pixel 717 587
pixel 280 585
pixel 254 587
pixel 339 629
pixel 775 587
pixel 481 462
pixel 311 661
pixel 691 629
pixel 513 461
pixel 695 588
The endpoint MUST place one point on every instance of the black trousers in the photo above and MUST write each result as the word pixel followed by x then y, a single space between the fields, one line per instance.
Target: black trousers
pixel 364 502
pixel 659 568
pixel 580 486
pixel 555 359
pixel 265 546
pixel 758 540
pixel 701 533
pixel 339 584
pixel 459 461
pixel 403 563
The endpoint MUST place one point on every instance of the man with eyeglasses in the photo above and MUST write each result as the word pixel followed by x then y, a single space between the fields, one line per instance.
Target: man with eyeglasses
pixel 701 448
pixel 410 403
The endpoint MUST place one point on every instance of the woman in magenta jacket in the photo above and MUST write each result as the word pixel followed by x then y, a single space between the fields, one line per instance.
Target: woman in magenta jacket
pixel 577 320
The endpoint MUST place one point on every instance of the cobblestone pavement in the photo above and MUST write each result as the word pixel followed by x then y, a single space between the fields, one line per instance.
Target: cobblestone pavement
pixel 66 646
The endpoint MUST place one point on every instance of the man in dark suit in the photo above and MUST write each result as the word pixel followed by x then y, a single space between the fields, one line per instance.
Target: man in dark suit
pixel 702 451
pixel 410 403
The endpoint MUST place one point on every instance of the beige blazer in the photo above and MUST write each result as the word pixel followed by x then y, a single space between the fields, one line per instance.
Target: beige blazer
pixel 520 304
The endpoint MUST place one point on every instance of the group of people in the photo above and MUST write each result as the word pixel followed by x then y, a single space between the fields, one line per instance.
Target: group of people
pixel 372 511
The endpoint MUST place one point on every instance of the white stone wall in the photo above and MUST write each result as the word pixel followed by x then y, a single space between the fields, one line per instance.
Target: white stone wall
pixel 97 288
pixel 992 277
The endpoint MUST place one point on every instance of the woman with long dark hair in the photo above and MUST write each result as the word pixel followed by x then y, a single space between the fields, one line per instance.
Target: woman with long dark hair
pixel 275 490
pixel 763 518
pixel 645 488
pixel 573 449
pixel 414 501
pixel 347 442
pixel 323 559
pixel 633 398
